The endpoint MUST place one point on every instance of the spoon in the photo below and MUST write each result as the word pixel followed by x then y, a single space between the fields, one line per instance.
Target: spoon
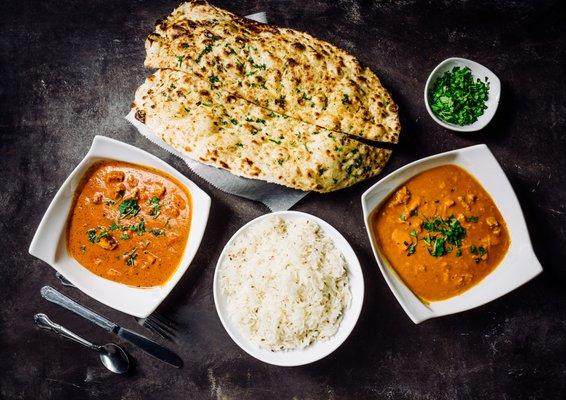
pixel 113 357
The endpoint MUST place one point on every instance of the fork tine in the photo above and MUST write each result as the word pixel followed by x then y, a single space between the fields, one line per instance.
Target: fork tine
pixel 161 332
pixel 145 323
pixel 159 325
pixel 163 320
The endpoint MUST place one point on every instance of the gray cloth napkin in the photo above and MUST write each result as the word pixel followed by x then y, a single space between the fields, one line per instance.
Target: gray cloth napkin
pixel 275 197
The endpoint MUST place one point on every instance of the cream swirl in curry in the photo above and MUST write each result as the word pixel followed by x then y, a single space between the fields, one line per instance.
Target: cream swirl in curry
pixel 441 232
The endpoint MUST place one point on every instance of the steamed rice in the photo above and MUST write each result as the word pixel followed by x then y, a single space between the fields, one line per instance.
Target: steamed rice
pixel 285 283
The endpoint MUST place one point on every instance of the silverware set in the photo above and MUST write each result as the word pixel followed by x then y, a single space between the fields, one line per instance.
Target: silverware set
pixel 112 356
pixel 155 323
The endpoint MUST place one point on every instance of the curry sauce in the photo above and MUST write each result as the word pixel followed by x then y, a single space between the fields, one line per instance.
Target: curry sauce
pixel 441 232
pixel 129 223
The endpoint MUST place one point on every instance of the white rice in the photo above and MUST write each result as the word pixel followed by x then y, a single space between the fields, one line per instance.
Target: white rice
pixel 286 284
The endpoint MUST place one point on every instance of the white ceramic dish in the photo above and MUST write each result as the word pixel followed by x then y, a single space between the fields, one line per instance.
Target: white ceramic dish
pixel 478 71
pixel 49 242
pixel 317 350
pixel 517 267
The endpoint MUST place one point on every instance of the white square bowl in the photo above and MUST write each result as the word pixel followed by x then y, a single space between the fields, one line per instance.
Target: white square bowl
pixel 518 266
pixel 478 71
pixel 50 240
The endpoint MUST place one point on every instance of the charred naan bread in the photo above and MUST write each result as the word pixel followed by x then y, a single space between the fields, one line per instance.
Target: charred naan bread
pixel 282 70
pixel 220 129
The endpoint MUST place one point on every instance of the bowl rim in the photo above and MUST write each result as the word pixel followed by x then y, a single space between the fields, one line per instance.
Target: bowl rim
pixel 139 302
pixel 494 285
pixel 329 346
pixel 492 102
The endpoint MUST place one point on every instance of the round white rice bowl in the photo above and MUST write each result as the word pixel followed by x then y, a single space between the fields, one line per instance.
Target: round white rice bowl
pixel 285 283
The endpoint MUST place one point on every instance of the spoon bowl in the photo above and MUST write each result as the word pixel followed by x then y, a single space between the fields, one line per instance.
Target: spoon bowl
pixel 114 358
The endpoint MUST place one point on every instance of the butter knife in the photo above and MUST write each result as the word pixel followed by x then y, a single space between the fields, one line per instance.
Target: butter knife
pixel 149 346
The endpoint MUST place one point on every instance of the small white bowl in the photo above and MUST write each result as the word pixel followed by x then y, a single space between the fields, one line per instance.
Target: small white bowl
pixel 478 71
pixel 519 265
pixel 317 350
pixel 50 240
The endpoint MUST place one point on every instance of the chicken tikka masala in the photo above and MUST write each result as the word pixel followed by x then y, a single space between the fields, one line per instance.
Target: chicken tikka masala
pixel 129 223
pixel 441 232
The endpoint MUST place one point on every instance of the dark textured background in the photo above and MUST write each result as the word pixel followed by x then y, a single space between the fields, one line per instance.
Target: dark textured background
pixel 68 71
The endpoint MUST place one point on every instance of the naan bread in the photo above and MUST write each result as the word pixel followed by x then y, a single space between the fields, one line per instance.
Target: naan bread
pixel 220 129
pixel 283 70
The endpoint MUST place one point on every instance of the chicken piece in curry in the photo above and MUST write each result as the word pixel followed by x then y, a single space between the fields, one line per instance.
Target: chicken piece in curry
pixel 129 223
pixel 441 232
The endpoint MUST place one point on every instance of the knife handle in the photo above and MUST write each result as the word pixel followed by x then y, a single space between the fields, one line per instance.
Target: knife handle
pixel 52 295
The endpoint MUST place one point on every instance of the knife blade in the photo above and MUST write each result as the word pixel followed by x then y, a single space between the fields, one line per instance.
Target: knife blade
pixel 149 346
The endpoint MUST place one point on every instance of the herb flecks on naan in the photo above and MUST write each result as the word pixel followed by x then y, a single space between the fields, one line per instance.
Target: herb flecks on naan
pixel 281 69
pixel 228 132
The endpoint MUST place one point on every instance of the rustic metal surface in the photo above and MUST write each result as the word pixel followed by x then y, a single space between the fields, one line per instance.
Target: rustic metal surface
pixel 68 71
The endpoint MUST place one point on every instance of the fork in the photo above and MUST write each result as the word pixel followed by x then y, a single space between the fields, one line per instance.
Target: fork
pixel 155 323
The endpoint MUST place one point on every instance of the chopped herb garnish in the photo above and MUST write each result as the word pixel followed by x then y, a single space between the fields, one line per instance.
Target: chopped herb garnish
pixel 114 227
pixel 138 228
pixel 413 233
pixel 204 51
pixel 413 212
pixel 156 208
pixel 458 98
pixel 213 79
pixel 125 236
pixel 131 257
pixel 275 141
pixel 478 251
pixel 91 235
pixel 403 217
pixel 83 249
pixel 239 144
pixel 436 247
pixel 129 208
pixel 345 99
pixel 109 202
pixel 449 227
pixel 157 232
pixel 451 234
pixel 94 237
pixel 180 60
pixel 411 249
pixel 472 219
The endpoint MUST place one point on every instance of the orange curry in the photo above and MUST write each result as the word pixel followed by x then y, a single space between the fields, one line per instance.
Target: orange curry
pixel 441 232
pixel 129 223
